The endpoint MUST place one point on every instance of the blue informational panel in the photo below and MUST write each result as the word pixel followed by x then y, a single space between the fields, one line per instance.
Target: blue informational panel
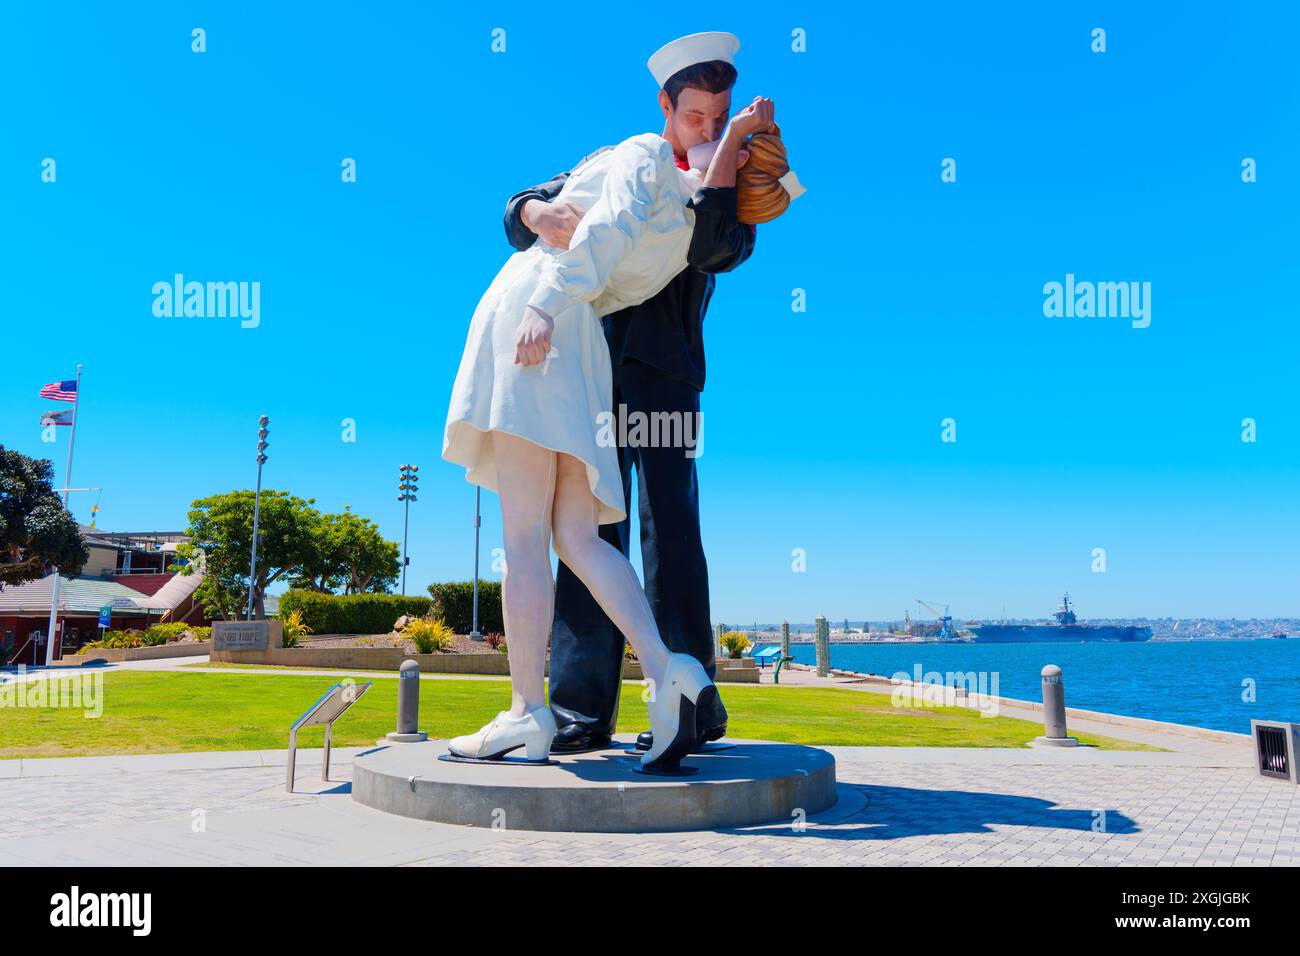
pixel 105 616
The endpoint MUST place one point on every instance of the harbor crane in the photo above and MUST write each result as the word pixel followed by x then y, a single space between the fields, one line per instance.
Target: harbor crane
pixel 946 631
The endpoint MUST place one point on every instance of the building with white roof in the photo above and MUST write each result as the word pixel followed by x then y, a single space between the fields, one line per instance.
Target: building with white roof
pixel 127 573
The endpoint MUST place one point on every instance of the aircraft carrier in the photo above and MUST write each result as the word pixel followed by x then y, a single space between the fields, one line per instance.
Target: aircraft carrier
pixel 1066 629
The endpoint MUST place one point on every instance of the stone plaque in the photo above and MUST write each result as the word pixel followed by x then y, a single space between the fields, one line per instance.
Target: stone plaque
pixel 245 635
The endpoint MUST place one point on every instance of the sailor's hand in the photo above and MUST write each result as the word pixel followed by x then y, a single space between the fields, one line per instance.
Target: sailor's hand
pixel 533 337
pixel 754 118
pixel 552 222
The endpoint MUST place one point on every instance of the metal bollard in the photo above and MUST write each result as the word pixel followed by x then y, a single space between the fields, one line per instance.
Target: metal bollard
pixel 408 706
pixel 1054 731
pixel 823 644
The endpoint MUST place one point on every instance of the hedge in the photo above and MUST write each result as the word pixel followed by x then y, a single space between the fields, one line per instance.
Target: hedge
pixel 351 613
pixel 456 599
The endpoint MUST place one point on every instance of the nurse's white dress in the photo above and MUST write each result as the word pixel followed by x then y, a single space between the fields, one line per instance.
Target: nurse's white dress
pixel 631 242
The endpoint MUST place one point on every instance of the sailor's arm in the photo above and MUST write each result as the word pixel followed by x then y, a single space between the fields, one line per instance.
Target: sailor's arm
pixel 519 232
pixel 532 213
pixel 720 241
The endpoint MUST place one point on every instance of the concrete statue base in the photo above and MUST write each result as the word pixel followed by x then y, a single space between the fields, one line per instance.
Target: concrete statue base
pixel 599 791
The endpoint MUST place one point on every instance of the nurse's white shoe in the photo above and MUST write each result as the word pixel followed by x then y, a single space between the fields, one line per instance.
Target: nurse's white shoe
pixel 684 690
pixel 534 732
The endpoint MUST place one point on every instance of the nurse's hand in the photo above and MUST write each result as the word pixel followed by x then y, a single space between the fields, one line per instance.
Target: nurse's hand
pixel 552 222
pixel 754 118
pixel 533 337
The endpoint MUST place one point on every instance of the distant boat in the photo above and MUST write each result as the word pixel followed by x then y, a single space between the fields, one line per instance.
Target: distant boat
pixel 1065 630
pixel 1279 636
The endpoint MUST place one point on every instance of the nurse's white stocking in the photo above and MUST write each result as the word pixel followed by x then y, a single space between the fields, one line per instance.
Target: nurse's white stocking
pixel 600 566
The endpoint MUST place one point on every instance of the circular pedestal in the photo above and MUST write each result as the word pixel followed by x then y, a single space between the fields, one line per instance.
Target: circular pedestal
pixel 753 782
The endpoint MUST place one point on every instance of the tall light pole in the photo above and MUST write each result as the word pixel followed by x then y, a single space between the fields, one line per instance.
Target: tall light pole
pixel 474 635
pixel 408 488
pixel 262 432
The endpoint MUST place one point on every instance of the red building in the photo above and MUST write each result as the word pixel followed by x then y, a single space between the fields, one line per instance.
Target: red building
pixel 127 573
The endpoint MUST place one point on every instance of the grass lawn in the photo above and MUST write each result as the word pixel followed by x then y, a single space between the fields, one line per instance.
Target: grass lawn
pixel 176 711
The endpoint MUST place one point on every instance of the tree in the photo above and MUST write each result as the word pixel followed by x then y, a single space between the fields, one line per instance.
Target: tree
pixel 349 553
pixel 36 530
pixel 221 539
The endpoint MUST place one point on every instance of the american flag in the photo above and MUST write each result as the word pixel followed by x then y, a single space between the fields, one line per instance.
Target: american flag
pixel 65 391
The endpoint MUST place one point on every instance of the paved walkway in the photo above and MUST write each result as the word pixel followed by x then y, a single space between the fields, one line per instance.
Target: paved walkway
pixel 898 806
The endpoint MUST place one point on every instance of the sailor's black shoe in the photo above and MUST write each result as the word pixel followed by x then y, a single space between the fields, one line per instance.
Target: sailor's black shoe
pixel 646 739
pixel 575 739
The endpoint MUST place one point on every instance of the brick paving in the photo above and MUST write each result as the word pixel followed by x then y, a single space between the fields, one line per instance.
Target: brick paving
pixel 951 816
pixel 892 812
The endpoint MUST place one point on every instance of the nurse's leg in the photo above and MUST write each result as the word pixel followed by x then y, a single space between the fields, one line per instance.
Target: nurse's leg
pixel 586 648
pixel 526 484
pixel 601 567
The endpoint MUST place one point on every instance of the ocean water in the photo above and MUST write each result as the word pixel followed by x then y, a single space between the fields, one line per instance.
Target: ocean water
pixel 1221 685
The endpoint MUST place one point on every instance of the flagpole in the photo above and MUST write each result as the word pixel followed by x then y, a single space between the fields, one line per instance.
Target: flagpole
pixel 72 441
pixel 67 489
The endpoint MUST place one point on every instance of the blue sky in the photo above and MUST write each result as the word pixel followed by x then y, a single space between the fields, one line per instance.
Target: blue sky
pixel 822 428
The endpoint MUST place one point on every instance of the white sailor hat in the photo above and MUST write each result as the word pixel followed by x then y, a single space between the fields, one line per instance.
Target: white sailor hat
pixel 689 50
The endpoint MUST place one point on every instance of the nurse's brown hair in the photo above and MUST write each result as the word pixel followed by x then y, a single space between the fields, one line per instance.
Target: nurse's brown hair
pixel 760 197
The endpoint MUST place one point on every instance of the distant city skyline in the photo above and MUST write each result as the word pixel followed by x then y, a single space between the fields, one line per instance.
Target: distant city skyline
pixel 826 482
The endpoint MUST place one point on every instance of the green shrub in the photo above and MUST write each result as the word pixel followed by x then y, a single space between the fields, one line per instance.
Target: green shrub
pixel 429 634
pixel 130 638
pixel 153 637
pixel 735 643
pixel 456 603
pixel 293 629
pixel 169 632
pixel 351 613
pixel 115 640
